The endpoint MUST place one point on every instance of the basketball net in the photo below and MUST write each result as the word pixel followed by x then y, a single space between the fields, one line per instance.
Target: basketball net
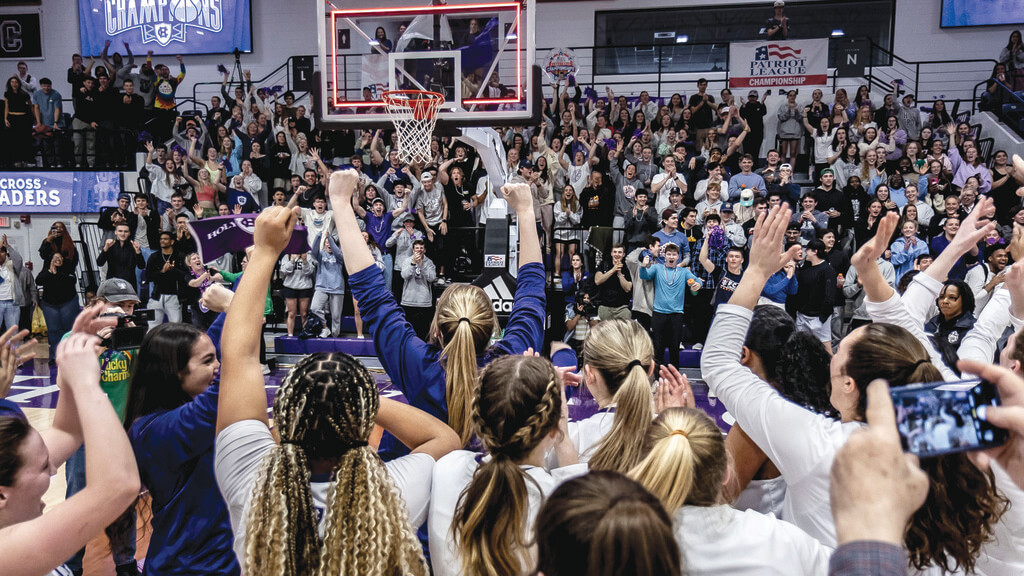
pixel 414 113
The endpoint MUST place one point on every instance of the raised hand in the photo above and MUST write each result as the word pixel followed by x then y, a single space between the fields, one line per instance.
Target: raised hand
pixel 78 360
pixel 673 390
pixel 108 244
pixel 217 298
pixel 274 228
pixel 873 249
pixel 766 254
pixel 13 353
pixel 518 196
pixel 342 186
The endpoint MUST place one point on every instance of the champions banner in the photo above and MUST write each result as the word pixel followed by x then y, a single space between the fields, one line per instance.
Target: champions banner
pixel 167 27
pixel 52 192
pixel 219 235
pixel 784 63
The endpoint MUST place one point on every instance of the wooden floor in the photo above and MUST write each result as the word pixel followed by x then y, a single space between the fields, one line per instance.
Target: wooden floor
pixel 98 561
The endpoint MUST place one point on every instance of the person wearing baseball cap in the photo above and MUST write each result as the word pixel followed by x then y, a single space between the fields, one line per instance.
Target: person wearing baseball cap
pixel 777 27
pixel 907 114
pixel 733 229
pixel 119 298
pixel 754 111
pixel 402 240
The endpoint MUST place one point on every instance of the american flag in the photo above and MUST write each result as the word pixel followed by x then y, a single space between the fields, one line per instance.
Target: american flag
pixel 776 51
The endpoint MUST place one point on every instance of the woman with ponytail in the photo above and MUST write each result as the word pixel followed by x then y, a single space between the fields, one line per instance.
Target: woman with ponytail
pixel 950 532
pixel 321 501
pixel 618 361
pixel 439 376
pixel 687 467
pixel 604 524
pixel 482 510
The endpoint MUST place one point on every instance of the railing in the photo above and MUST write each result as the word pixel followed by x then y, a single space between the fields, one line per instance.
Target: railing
pixel 282 75
pixel 1009 107
pixel 928 80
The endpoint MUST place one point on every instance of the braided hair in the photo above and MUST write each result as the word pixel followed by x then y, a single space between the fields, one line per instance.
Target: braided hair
pixel 517 405
pixel 326 410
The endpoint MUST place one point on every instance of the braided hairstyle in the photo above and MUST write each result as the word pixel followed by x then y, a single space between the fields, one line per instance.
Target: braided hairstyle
pixel 517 405
pixel 611 348
pixel 462 327
pixel 326 410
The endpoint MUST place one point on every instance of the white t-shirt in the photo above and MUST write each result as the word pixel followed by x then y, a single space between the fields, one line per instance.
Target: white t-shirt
pixel 316 223
pixel 661 202
pixel 452 475
pixel 722 540
pixel 764 496
pixel 239 454
pixel 586 434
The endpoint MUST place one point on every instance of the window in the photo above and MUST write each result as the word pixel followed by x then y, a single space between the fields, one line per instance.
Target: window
pixel 696 39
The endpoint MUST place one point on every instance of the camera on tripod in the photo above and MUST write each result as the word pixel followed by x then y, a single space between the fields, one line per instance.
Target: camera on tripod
pixel 130 329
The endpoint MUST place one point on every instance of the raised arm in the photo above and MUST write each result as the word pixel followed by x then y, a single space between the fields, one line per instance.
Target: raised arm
pixel 420 431
pixel 30 548
pixel 242 392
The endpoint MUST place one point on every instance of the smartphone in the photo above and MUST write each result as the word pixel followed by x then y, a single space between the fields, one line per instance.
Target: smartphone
pixel 946 417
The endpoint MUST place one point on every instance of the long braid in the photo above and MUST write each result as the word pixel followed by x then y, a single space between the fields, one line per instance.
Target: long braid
pixel 326 410
pixel 518 403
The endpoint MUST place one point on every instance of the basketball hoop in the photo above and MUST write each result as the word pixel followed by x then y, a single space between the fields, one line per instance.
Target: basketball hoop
pixel 413 113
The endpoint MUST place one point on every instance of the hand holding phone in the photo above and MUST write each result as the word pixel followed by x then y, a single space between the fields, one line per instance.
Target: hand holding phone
pixel 938 418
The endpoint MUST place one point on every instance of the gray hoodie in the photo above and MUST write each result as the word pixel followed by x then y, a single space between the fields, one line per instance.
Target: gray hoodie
pixel 624 190
pixel 418 280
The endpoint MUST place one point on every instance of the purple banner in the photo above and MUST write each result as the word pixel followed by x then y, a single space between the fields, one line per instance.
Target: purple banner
pixel 219 235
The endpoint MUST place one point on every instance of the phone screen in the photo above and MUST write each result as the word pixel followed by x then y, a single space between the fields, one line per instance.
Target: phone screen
pixel 942 417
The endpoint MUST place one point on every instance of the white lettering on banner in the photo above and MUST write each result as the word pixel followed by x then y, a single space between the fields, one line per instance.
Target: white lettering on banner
pixel 31 197
pixel 781 63
pixel 162 21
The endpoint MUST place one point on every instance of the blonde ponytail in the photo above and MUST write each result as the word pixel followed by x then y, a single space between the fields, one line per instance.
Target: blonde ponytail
pixel 463 325
pixel 621 351
pixel 686 461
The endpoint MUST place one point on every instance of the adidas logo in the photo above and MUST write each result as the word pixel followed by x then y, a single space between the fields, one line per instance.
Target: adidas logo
pixel 501 297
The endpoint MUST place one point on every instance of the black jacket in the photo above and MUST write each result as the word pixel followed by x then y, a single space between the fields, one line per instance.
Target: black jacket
pixel 816 292
pixel 121 260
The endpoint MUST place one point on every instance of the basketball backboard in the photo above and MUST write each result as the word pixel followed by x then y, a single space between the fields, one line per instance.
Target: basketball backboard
pixel 478 55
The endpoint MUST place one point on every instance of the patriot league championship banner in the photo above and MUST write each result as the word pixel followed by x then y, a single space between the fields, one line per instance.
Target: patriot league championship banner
pixel 786 63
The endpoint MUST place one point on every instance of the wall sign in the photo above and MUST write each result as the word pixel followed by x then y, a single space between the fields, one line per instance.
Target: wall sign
pixel 167 27
pixel 49 192
pixel 781 63
pixel 21 36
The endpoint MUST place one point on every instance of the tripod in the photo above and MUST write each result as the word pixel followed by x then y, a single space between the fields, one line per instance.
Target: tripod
pixel 236 74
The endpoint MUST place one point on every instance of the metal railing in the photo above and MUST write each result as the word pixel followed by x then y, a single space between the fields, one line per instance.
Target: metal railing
pixel 1009 108
pixel 949 80
pixel 282 75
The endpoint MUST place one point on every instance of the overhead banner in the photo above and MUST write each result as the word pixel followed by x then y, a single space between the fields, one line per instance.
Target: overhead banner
pixel 167 27
pixel 43 192
pixel 787 63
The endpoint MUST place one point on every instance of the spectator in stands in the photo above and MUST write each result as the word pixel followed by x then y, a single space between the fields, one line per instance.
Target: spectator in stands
pixel 111 216
pixel 670 234
pixel 176 208
pixel 641 221
pixel 418 274
pixel 49 110
pixel 166 86
pixel 432 211
pixel 615 284
pixel 329 289
pixel 950 228
pixel 790 128
pixel 166 273
pixel 18 118
pixel 671 281
pixel 907 248
pixel 711 204
pixel 815 297
pixel 183 240
pixel 996 90
pixel 777 27
pixel 1012 58
pixel 746 180
pixel 299 272
pixel 58 241
pixel 895 137
pixel 753 112
pixel 59 299
pixel 85 122
pixel 121 255
pixel 700 310
pixel 972 165
pixel 701 110
pixel 812 221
